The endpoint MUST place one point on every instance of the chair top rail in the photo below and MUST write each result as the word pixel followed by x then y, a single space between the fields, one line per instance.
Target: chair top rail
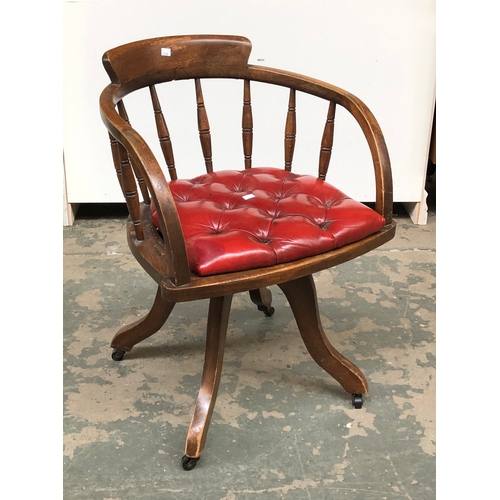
pixel 147 62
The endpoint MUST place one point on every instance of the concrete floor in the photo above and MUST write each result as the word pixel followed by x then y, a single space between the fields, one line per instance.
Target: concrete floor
pixel 282 428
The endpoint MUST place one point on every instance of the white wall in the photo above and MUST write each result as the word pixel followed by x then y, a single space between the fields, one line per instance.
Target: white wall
pixel 383 52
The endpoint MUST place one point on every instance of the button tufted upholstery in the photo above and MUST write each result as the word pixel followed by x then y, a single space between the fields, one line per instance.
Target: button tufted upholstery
pixel 237 220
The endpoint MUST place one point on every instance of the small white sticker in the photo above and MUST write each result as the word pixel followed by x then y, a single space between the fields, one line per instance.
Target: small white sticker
pixel 166 52
pixel 248 196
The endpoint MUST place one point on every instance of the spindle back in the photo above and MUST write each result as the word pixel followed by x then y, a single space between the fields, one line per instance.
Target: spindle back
pixel 148 63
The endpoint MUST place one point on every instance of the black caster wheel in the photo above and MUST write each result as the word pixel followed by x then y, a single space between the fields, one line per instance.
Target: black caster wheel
pixel 117 355
pixel 189 463
pixel 267 312
pixel 357 401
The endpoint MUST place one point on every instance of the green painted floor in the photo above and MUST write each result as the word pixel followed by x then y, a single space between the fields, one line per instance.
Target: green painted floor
pixel 282 428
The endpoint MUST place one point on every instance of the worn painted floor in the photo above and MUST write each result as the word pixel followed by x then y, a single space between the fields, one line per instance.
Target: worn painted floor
pixel 282 428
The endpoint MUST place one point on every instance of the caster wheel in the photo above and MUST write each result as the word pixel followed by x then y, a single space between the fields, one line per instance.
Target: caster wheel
pixel 117 355
pixel 189 463
pixel 357 401
pixel 267 312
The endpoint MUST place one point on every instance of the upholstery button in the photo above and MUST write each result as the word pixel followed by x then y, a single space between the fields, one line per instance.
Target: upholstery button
pixel 289 217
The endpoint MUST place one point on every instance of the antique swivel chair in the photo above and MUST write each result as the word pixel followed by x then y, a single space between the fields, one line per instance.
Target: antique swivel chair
pixel 240 230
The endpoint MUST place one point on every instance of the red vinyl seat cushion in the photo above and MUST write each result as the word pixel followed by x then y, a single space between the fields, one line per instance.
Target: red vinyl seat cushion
pixel 234 220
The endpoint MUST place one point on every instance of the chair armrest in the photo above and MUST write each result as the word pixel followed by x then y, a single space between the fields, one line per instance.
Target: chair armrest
pixel 157 185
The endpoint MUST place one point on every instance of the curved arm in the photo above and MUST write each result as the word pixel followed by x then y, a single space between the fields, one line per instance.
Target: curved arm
pixel 361 113
pixel 157 184
pixel 380 155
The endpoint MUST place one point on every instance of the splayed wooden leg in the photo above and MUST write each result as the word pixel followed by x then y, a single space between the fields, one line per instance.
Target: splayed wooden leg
pixel 301 294
pixel 132 334
pixel 218 317
pixel 262 298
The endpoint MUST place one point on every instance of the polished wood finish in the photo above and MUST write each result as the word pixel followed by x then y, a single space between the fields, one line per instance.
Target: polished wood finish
pixel 247 125
pixel 117 161
pixel 163 134
pixel 204 127
pixel 140 330
pixel 137 168
pixel 301 294
pixel 143 65
pixel 218 316
pixel 327 142
pixel 290 131
pixel 128 181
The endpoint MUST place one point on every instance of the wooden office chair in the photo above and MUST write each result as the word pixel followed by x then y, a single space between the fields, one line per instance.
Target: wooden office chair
pixel 240 230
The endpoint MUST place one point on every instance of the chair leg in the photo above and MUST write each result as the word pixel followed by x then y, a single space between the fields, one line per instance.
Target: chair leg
pixel 218 317
pixel 262 298
pixel 132 334
pixel 301 294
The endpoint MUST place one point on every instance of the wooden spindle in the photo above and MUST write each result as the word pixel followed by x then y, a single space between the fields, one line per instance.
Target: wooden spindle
pixel 203 127
pixel 128 179
pixel 130 192
pixel 163 134
pixel 247 125
pixel 327 142
pixel 115 151
pixel 290 131
pixel 138 172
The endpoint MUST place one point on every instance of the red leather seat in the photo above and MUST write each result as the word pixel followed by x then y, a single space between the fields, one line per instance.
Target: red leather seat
pixel 234 220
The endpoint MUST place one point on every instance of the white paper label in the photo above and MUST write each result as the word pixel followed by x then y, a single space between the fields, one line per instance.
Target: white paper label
pixel 166 52
pixel 248 196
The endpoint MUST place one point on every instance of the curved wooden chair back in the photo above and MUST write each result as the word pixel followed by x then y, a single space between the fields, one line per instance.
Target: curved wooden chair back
pixel 155 229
